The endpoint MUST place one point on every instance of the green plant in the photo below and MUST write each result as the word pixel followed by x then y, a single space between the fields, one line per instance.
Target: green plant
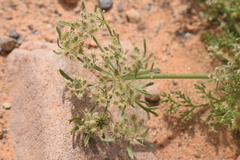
pixel 224 102
pixel 116 86
pixel 119 84
pixel 224 13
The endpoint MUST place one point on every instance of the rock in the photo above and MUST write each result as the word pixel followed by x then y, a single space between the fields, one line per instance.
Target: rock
pixel 8 16
pixel 49 26
pixel 141 26
pixel 155 94
pixel 172 91
pixel 45 19
pixel 2 122
pixel 133 16
pixel 120 9
pixel 159 26
pixel 14 34
pixel 71 2
pixel 40 108
pixel 190 28
pixel 179 33
pixel 49 36
pixel 105 4
pixel 164 49
pixel 20 40
pixel 5 131
pixel 6 105
pixel 7 44
pixel 148 6
pixel 31 27
pixel 57 12
pixel 1 131
pixel 40 4
pixel 77 9
pixel 1 113
pixel 164 59
pixel 187 35
pixel 174 83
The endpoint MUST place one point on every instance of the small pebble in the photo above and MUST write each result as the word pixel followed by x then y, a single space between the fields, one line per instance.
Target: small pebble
pixel 5 131
pixel 57 12
pixel 8 16
pixel 2 122
pixel 6 105
pixel 164 59
pixel 46 19
pixel 40 4
pixel 1 113
pixel 141 26
pixel 164 49
pixel 20 40
pixel 71 2
pixel 148 6
pixel 105 4
pixel 1 131
pixel 155 94
pixel 49 26
pixel 14 34
pixel 30 26
pixel 187 35
pixel 7 44
pixel 120 9
pixel 77 10
pixel 133 16
pixel 179 33
pixel 159 26
pixel 174 83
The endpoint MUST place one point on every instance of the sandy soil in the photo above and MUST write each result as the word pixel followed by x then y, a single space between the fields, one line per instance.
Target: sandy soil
pixel 172 29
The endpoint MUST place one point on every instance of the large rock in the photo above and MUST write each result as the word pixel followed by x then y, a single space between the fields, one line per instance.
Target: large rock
pixel 40 109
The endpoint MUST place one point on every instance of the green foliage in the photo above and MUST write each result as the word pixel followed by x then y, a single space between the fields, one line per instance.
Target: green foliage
pixel 120 70
pixel 117 85
pixel 224 102
pixel 224 13
pixel 221 40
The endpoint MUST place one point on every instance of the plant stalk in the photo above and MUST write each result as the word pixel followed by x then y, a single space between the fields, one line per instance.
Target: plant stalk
pixel 169 76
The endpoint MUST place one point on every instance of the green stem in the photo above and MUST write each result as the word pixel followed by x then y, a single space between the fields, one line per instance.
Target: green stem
pixel 108 27
pixel 98 44
pixel 125 75
pixel 102 70
pixel 169 76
